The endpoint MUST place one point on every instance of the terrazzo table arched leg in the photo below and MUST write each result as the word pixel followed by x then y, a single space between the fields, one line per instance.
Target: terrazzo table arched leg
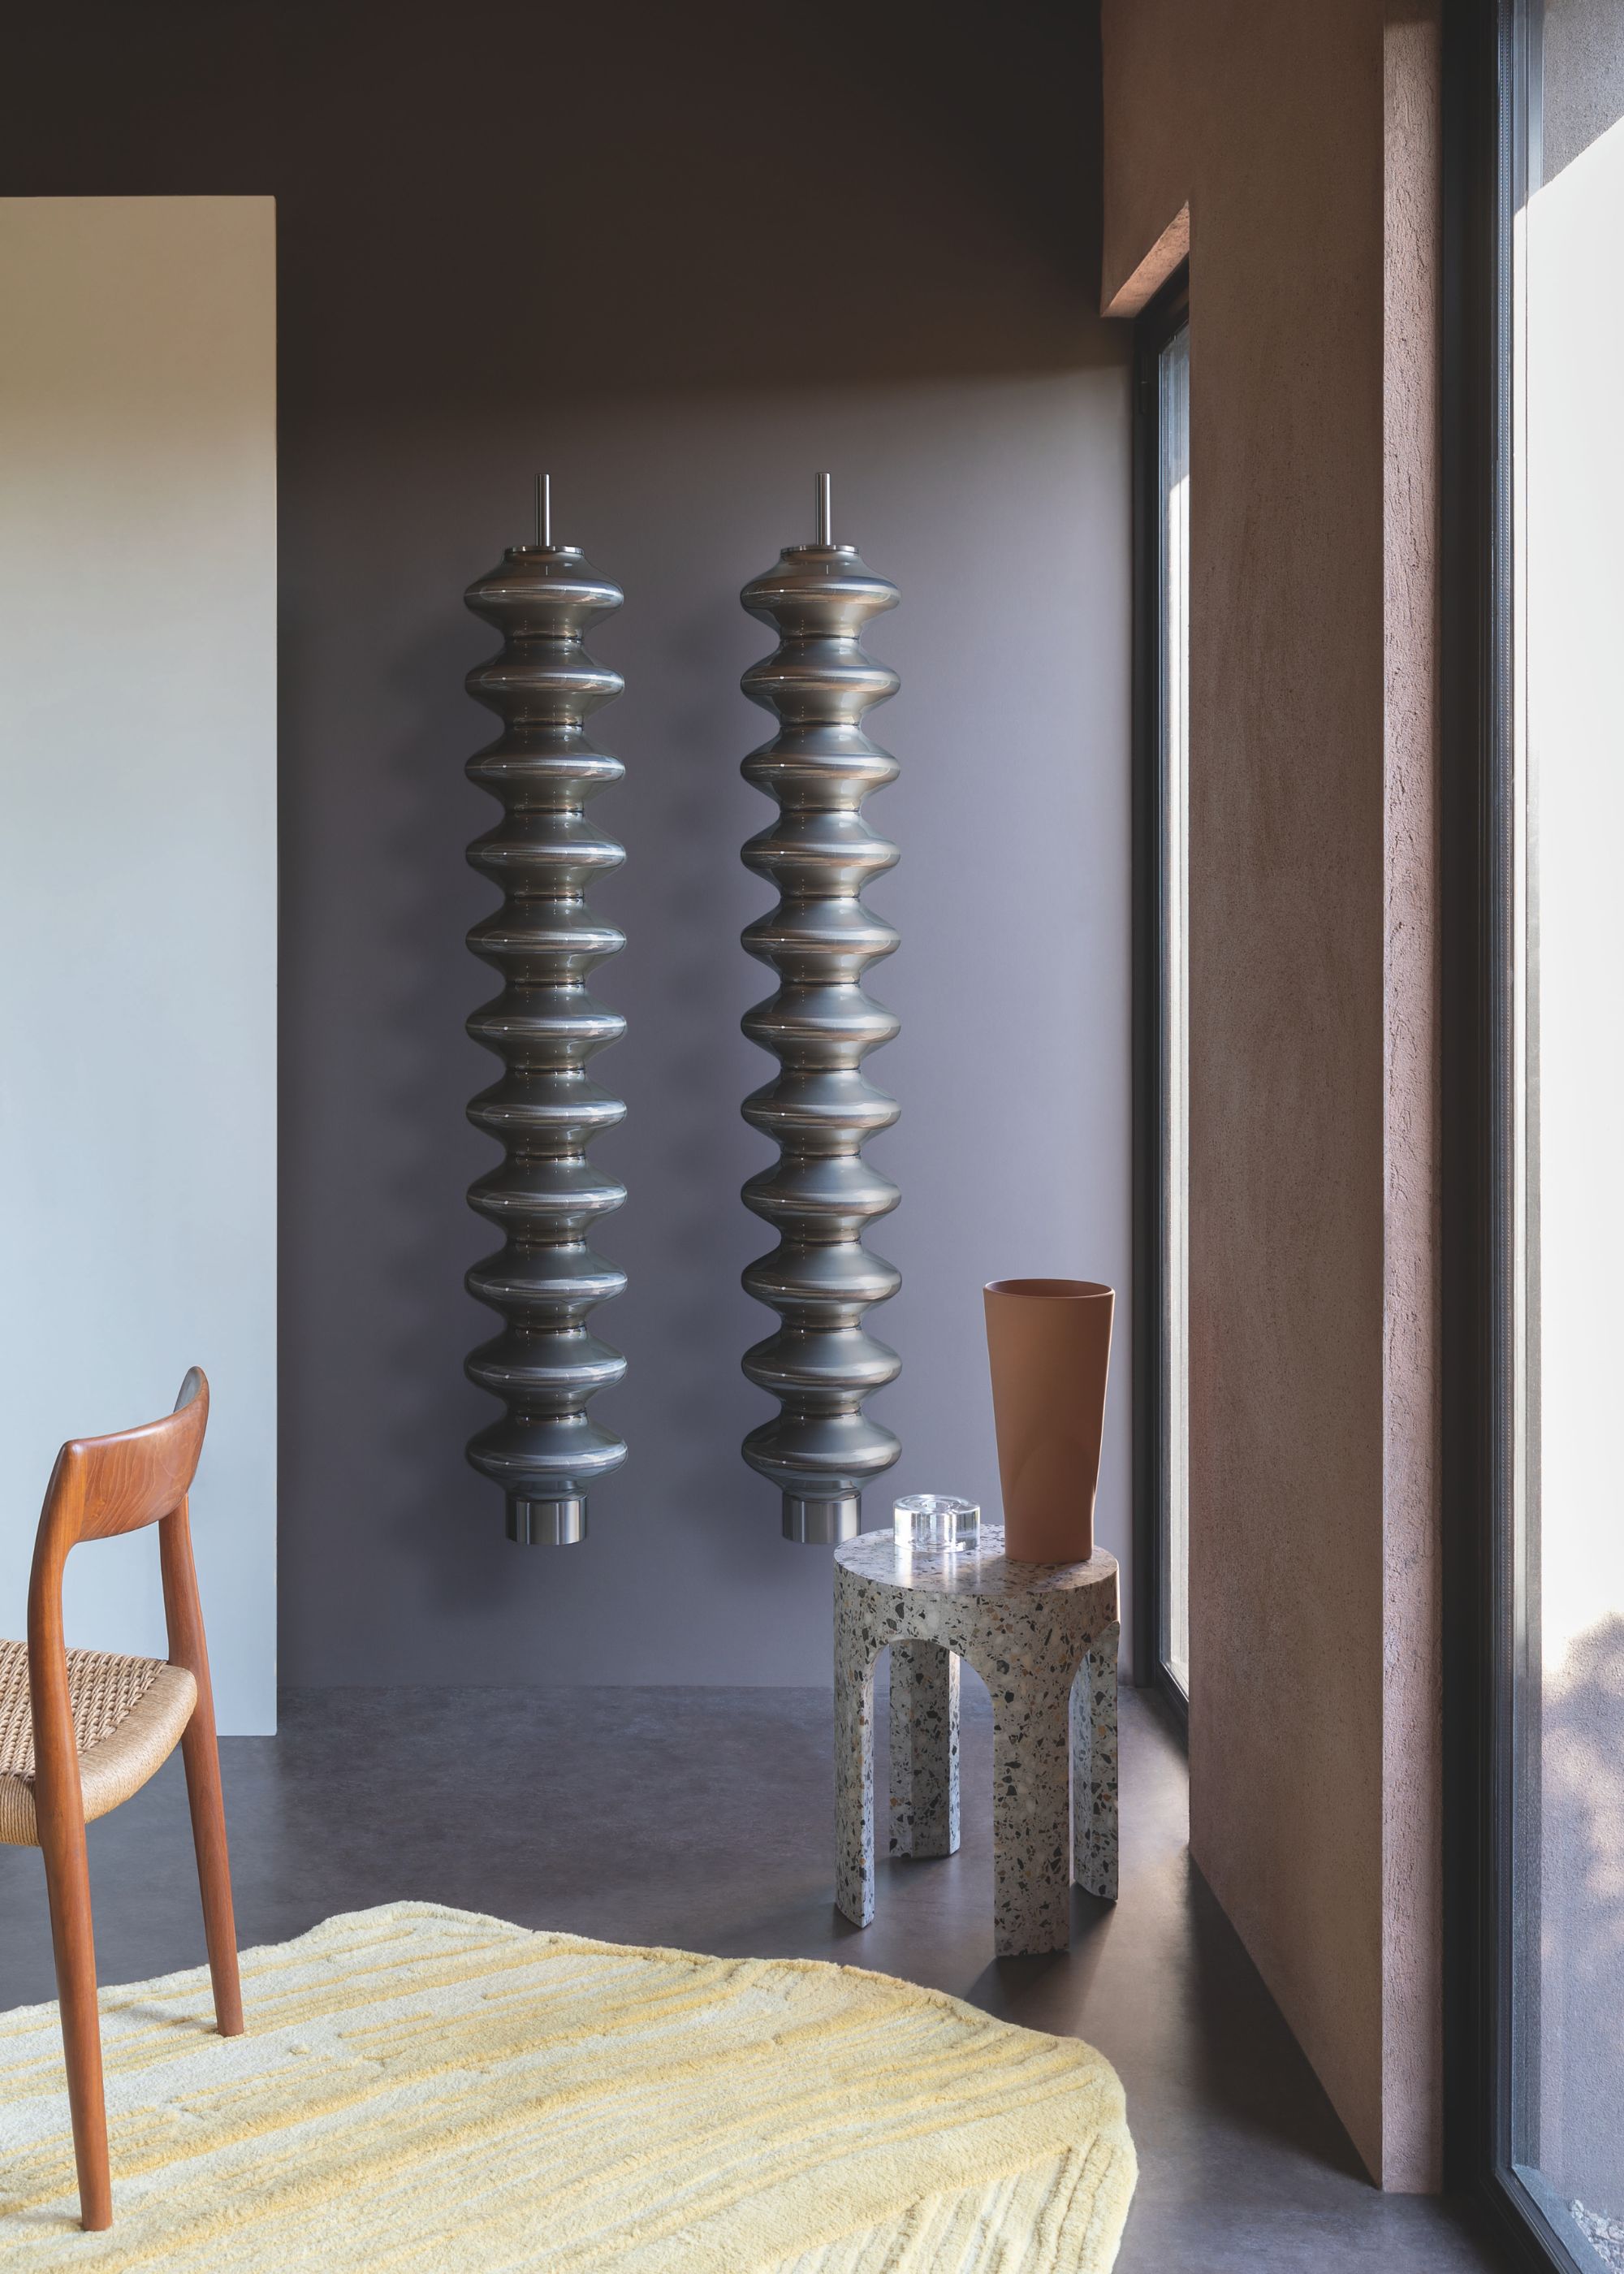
pixel 1031 1817
pixel 855 1787
pixel 924 1750
pixel 1094 1767
pixel 1028 1628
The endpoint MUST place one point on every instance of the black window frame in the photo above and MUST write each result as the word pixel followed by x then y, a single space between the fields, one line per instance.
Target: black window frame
pixel 1491 77
pixel 1158 323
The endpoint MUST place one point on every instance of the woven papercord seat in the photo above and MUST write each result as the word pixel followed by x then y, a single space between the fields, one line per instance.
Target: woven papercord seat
pixel 127 1717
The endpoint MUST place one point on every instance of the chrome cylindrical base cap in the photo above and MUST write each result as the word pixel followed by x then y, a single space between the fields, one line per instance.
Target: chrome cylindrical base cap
pixel 547 1523
pixel 823 1522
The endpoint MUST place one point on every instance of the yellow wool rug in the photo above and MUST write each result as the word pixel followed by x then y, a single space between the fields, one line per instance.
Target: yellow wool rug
pixel 424 2091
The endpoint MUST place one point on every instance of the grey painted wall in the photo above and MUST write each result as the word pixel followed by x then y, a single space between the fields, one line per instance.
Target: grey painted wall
pixel 683 258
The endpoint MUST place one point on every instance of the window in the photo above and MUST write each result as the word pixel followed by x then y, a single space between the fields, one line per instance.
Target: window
pixel 1566 755
pixel 1162 448
pixel 1544 1495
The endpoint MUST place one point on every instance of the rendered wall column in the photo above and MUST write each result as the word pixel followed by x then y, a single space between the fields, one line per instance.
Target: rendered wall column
pixel 137 888
pixel 1302 142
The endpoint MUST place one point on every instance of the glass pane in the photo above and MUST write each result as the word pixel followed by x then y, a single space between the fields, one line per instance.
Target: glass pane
pixel 1568 505
pixel 1173 429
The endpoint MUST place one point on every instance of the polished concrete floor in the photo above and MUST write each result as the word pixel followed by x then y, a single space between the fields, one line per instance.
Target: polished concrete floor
pixel 703 1817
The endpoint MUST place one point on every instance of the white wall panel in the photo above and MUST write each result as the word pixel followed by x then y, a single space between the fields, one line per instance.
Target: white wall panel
pixel 138 887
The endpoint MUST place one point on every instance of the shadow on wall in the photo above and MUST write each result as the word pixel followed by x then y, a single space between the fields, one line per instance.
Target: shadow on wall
pixel 683 258
pixel 716 195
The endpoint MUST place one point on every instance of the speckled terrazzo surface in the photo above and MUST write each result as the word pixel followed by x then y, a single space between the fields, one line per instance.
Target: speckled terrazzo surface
pixel 924 1750
pixel 1043 1637
pixel 986 1573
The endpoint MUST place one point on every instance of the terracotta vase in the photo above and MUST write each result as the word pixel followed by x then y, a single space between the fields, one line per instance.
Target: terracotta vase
pixel 1049 1342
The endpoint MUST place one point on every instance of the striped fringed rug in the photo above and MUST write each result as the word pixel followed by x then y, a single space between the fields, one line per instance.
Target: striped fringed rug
pixel 425 2089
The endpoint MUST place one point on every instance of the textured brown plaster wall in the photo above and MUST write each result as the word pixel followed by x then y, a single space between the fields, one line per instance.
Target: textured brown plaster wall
pixel 1296 151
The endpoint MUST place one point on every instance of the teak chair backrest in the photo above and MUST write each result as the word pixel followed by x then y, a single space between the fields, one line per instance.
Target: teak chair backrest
pixel 102 1486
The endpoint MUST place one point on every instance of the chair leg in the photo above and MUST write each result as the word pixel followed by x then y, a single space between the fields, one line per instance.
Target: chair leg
pixel 67 1882
pixel 200 1752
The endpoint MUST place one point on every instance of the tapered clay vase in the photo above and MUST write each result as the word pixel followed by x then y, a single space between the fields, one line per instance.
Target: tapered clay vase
pixel 1049 1342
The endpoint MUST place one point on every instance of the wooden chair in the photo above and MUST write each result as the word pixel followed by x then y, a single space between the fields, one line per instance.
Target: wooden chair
pixel 82 1730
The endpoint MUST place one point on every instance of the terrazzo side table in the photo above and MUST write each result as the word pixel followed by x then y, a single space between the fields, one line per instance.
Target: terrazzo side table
pixel 1043 1638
